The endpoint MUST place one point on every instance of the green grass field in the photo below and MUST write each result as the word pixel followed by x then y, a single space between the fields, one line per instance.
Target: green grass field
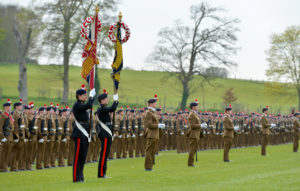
pixel 248 171
pixel 137 86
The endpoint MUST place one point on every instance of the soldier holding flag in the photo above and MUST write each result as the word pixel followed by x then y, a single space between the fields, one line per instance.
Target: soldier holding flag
pixel 80 132
pixel 82 129
pixel 106 130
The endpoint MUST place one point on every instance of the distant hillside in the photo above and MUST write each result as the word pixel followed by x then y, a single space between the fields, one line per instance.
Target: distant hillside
pixel 137 86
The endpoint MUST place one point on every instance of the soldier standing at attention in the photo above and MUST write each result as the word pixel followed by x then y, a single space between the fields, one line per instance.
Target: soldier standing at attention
pixel 106 130
pixel 6 136
pixel 194 132
pixel 80 132
pixel 296 128
pixel 42 136
pixel 228 132
pixel 17 159
pixel 265 130
pixel 152 133
pixel 65 137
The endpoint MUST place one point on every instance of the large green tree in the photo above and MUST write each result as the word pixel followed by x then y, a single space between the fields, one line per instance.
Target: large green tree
pixel 284 57
pixel 62 20
pixel 187 50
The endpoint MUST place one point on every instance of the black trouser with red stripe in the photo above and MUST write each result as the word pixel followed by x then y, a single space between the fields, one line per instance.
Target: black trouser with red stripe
pixel 105 149
pixel 81 150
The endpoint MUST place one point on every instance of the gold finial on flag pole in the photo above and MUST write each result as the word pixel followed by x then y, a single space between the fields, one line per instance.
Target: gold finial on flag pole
pixel 97 9
pixel 120 16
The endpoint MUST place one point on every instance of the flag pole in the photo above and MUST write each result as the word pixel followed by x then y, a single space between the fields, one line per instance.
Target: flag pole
pixel 92 85
pixel 115 89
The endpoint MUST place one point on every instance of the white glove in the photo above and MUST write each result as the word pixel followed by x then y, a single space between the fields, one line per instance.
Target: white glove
pixel 171 133
pixel 203 125
pixel 161 125
pixel 140 134
pixel 22 126
pixel 133 136
pixel 182 133
pixel 128 136
pixel 273 125
pixel 120 136
pixel 16 140
pixel 4 140
pixel 25 140
pixel 35 127
pixel 41 140
pixel 93 92
pixel 116 97
pixel 236 128
pixel 64 140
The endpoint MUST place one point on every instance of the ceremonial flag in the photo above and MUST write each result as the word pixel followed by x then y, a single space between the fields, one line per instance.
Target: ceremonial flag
pixel 117 64
pixel 89 54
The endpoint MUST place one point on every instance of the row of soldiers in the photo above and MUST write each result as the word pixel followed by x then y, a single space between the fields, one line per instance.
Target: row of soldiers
pixel 42 135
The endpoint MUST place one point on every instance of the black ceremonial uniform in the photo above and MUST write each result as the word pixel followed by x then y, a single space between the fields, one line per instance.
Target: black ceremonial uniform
pixel 105 137
pixel 81 141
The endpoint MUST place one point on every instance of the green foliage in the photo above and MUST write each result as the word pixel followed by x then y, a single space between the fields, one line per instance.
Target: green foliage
pixel 8 47
pixel 248 171
pixel 138 86
pixel 283 56
pixel 229 96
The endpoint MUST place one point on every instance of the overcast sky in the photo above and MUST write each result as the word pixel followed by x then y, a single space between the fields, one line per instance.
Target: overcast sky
pixel 259 19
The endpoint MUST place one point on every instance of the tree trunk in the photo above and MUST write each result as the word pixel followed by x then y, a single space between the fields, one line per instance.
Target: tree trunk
pixel 298 90
pixel 66 59
pixel 22 85
pixel 185 94
pixel 97 80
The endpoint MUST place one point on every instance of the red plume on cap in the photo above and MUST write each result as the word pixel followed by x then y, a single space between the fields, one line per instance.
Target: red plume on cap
pixel 67 107
pixel 134 108
pixel 45 105
pixel 155 96
pixel 8 100
pixel 62 107
pixel 267 106
pixel 21 101
pixel 196 100
pixel 121 107
pixel 230 105
pixel 51 104
pixel 104 91
pixel 83 86
pixel 57 105
pixel 128 107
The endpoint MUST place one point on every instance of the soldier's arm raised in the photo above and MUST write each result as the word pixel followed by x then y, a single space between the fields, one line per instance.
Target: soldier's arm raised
pixel 86 106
